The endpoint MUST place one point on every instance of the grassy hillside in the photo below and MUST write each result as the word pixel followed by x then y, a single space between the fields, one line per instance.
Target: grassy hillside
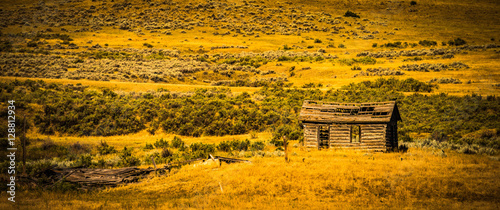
pixel 147 42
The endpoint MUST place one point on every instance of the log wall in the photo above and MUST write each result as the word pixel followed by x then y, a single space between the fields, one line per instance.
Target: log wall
pixel 392 136
pixel 373 137
pixel 340 135
pixel 311 135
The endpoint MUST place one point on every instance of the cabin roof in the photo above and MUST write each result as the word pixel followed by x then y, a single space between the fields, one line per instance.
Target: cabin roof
pixel 333 112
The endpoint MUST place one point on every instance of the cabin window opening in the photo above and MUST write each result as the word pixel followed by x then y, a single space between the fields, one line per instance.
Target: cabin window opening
pixel 368 109
pixel 324 136
pixel 355 134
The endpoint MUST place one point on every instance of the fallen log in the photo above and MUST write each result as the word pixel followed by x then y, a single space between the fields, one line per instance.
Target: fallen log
pixel 230 160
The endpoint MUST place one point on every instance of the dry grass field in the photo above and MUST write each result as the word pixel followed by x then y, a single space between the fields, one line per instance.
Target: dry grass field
pixel 312 179
pixel 134 48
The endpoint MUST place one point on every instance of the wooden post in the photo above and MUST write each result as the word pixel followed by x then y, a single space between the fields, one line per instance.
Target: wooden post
pixel 154 164
pixel 285 144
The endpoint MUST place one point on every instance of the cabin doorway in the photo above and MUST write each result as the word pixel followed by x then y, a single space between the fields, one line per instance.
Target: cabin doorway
pixel 355 133
pixel 324 136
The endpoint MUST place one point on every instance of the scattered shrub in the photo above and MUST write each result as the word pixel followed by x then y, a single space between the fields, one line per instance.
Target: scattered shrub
pixel 148 146
pixel 177 142
pixel 126 158
pixel 78 148
pixel 445 80
pixel 309 85
pixel 32 44
pixel 224 146
pixel 258 145
pixel 394 45
pixel 290 132
pixel 103 148
pixel 427 43
pixel 48 144
pixel 351 14
pixel 200 150
pixel 161 143
pixel 364 60
pixel 166 153
pixel 457 42
pixel 84 161
pixel 5 46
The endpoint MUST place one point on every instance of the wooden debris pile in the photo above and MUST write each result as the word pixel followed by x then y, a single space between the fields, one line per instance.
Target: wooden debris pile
pixel 105 177
pixel 94 177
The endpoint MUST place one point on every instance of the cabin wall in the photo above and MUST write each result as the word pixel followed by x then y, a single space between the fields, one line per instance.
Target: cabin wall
pixel 373 137
pixel 340 135
pixel 311 135
pixel 392 136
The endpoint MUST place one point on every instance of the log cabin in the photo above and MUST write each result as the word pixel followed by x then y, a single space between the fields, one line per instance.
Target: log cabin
pixel 368 126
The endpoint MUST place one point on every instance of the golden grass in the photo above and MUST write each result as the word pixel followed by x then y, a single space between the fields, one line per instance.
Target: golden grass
pixel 141 138
pixel 328 179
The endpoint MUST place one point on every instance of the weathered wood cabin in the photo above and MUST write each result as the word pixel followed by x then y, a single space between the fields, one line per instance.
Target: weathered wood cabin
pixel 370 126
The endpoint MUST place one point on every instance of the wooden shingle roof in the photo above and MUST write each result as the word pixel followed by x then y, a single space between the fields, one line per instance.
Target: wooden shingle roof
pixel 333 112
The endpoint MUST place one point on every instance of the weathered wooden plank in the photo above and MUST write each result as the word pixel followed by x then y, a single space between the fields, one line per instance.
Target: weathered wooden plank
pixel 374 125
pixel 371 127
pixel 340 139
pixel 374 141
pixel 339 136
pixel 346 144
pixel 373 137
pixel 373 144
pixel 341 131
pixel 372 132
pixel 348 135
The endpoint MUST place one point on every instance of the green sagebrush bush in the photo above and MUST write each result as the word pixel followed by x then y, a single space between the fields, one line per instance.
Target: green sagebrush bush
pixel 104 148
pixel 127 159
pixel 217 112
